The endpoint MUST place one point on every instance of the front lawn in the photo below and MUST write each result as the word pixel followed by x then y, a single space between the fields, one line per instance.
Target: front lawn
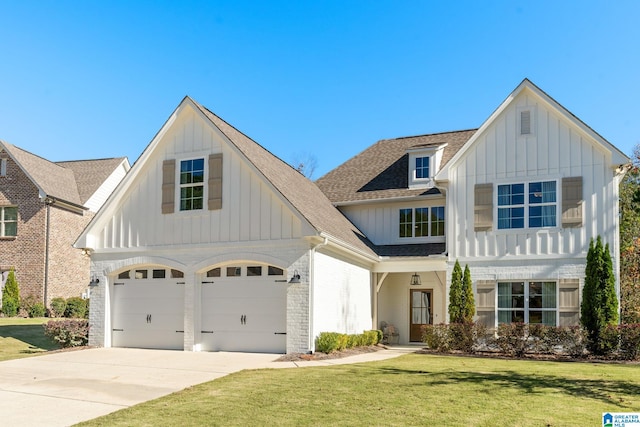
pixel 21 337
pixel 414 389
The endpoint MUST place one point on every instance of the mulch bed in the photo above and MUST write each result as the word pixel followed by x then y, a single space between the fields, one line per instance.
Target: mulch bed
pixel 297 357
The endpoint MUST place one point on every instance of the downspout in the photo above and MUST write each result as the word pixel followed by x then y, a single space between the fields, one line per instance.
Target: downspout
pixel 48 202
pixel 312 252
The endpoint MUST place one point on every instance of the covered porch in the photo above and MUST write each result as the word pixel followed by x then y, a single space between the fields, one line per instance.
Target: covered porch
pixel 408 294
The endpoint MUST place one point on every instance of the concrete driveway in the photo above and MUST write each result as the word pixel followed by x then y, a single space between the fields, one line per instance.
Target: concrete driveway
pixel 62 389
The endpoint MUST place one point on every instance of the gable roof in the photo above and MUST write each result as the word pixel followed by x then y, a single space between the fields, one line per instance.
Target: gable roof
pixel 298 190
pixel 72 182
pixel 91 174
pixel 301 194
pixel 381 171
pixel 617 156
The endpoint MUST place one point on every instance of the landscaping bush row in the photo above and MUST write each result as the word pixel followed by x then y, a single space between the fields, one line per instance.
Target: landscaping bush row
pixel 68 332
pixel 518 339
pixel 30 306
pixel 74 307
pixel 328 342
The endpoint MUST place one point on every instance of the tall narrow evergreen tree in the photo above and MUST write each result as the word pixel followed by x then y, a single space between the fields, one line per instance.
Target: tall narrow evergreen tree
pixel 599 300
pixel 455 294
pixel 11 295
pixel 609 297
pixel 468 302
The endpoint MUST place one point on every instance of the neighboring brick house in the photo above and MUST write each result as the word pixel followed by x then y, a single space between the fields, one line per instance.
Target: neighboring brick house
pixel 213 243
pixel 43 207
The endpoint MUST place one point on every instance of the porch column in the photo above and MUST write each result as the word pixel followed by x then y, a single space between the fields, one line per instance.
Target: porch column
pixel 377 284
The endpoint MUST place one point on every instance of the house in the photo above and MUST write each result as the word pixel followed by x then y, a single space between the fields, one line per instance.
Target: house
pixel 43 207
pixel 213 243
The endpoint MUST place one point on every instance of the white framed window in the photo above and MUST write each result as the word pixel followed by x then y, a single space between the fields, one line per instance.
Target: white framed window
pixel 421 222
pixel 191 184
pixel 3 167
pixel 533 302
pixel 8 221
pixel 422 167
pixel 532 205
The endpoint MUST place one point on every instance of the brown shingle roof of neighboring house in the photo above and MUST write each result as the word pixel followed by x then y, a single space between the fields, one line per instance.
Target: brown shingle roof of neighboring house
pixel 72 181
pixel 91 174
pixel 381 171
pixel 302 193
pixel 52 179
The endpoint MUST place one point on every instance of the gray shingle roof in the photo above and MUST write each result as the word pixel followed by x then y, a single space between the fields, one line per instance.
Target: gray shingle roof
pixel 381 171
pixel 302 193
pixel 73 181
pixel 416 250
pixel 91 174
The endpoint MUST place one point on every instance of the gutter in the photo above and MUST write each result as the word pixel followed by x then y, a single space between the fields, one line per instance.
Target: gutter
pixel 48 201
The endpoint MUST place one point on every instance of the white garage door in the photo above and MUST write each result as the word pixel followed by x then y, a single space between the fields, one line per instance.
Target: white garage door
pixel 243 312
pixel 148 311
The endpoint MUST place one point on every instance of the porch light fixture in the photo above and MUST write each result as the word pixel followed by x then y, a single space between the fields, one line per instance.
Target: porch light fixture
pixel 295 278
pixel 94 281
pixel 415 280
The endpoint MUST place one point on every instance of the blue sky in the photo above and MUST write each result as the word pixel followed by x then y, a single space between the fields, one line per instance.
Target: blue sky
pixel 325 79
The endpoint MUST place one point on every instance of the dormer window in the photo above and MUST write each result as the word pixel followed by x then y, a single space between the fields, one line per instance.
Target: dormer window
pixel 422 167
pixel 424 161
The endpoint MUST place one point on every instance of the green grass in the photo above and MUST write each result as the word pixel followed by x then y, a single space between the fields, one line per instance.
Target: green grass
pixel 23 337
pixel 410 390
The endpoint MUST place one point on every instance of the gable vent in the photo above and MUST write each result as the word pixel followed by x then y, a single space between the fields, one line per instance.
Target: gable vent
pixel 525 122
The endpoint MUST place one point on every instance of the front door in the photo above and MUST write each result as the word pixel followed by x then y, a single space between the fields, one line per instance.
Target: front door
pixel 421 313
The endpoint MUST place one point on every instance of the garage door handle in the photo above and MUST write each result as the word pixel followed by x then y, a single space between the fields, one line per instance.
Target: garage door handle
pixel 118 330
pixel 279 333
pixel 180 332
pixel 243 319
pixel 206 332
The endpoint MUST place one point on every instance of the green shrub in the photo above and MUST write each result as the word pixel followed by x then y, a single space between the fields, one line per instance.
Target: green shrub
pixel 513 339
pixel 76 308
pixel 372 337
pixel 379 334
pixel 9 307
pixel 37 310
pixel 32 307
pixel 462 336
pixel 629 341
pixel 437 337
pixel 608 341
pixel 328 342
pixel 11 295
pixel 58 307
pixel 68 332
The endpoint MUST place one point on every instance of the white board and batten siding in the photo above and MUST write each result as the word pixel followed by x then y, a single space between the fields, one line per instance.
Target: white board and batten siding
pixel 251 209
pixel 341 296
pixel 380 221
pixel 554 150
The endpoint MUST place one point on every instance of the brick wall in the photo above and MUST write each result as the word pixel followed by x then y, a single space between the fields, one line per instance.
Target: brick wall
pixel 68 268
pixel 25 253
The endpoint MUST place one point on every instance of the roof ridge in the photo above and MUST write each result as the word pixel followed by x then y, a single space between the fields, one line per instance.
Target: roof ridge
pixel 430 134
pixel 30 153
pixel 242 133
pixel 89 160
